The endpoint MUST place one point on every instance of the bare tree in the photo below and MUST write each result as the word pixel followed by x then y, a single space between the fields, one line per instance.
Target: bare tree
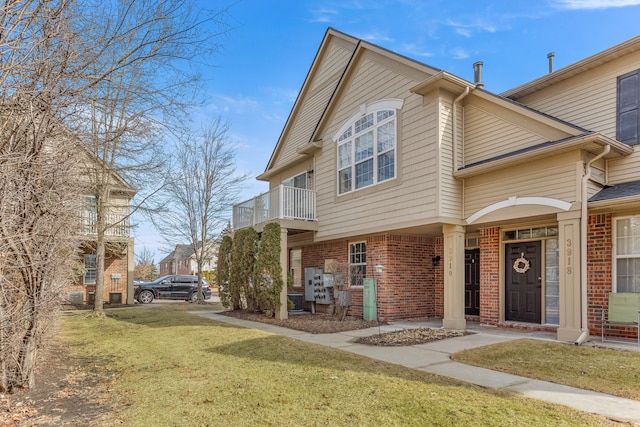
pixel 88 91
pixel 202 187
pixel 141 81
pixel 145 268
pixel 38 177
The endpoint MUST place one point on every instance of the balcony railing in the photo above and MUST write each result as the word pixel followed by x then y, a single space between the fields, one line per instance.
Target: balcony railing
pixel 279 203
pixel 118 224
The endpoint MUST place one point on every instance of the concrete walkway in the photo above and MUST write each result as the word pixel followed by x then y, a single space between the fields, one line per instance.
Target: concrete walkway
pixel 434 358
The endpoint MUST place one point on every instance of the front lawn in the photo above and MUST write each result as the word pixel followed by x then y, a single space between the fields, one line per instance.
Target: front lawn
pixel 600 369
pixel 168 367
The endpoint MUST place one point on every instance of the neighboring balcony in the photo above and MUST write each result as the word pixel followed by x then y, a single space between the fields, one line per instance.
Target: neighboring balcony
pixel 293 207
pixel 118 224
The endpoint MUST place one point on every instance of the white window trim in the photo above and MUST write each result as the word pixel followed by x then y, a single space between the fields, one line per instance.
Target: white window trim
pixel 350 264
pixel 84 277
pixel 365 109
pixel 384 104
pixel 614 250
pixel 290 181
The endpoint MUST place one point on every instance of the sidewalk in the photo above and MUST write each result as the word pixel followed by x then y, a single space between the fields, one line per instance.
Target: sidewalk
pixel 433 357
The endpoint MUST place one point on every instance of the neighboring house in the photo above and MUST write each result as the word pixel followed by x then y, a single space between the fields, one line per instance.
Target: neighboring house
pixel 519 209
pixel 183 261
pixel 119 249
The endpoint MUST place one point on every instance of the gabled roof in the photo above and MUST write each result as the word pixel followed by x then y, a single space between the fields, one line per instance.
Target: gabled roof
pixel 569 71
pixel 588 141
pixel 321 114
pixel 330 34
pixel 180 252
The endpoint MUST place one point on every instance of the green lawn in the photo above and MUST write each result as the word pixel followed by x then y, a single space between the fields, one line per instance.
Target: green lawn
pixel 171 368
pixel 606 370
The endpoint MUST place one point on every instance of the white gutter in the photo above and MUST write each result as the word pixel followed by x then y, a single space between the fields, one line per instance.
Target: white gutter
pixel 584 219
pixel 455 127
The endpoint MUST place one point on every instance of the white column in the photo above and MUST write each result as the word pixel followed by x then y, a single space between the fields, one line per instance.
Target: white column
pixel 570 276
pixel 453 277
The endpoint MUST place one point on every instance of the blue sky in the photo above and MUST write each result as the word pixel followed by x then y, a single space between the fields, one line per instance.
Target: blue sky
pixel 267 53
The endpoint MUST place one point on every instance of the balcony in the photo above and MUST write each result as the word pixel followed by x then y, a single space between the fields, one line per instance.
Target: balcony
pixel 118 224
pixel 281 203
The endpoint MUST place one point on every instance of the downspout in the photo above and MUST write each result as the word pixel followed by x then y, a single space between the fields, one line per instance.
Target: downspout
pixel 584 219
pixel 455 127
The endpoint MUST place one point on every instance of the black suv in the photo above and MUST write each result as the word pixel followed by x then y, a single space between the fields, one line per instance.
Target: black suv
pixel 171 287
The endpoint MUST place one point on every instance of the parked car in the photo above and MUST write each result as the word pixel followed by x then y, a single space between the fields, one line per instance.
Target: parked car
pixel 178 287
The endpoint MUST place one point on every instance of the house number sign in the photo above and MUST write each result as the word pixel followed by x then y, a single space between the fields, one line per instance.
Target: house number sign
pixel 521 265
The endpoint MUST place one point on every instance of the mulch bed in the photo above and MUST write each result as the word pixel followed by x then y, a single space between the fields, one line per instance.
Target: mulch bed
pixel 320 323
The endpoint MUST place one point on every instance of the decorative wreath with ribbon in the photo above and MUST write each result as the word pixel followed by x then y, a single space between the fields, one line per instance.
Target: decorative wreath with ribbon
pixel 521 265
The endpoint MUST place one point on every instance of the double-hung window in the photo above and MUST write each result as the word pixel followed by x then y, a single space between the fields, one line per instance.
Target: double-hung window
pixel 627 254
pixel 367 147
pixel 90 268
pixel 357 263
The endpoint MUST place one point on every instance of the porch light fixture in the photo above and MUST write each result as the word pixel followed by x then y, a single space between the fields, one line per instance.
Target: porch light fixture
pixel 378 269
pixel 310 173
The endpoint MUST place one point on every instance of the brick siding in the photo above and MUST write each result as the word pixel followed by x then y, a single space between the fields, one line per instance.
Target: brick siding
pixel 490 275
pixel 600 273
pixel 410 285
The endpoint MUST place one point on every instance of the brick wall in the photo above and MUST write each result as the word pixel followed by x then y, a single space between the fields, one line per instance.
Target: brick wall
pixel 113 264
pixel 490 275
pixel 410 286
pixel 599 272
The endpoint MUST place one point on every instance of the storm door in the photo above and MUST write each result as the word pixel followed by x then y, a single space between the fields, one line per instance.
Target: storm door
pixel 472 282
pixel 523 282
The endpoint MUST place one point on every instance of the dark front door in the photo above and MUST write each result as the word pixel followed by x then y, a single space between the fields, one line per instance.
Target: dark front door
pixel 523 282
pixel 472 282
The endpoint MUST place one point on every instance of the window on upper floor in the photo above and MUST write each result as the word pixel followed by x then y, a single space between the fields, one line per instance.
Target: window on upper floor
pixel 367 147
pixel 627 254
pixel 628 101
pixel 298 181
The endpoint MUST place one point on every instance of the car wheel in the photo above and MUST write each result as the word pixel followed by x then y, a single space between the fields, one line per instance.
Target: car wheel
pixel 194 296
pixel 145 297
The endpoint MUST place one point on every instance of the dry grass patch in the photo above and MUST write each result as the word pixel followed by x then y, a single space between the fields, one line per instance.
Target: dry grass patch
pixel 605 370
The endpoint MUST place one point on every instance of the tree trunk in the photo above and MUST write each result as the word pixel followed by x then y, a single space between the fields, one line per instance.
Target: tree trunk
pixel 98 303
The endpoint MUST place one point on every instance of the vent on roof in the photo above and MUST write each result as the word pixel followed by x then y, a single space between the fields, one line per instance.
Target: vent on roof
pixel 550 56
pixel 477 74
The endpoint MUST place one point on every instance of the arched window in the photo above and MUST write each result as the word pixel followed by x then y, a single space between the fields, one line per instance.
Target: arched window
pixel 367 147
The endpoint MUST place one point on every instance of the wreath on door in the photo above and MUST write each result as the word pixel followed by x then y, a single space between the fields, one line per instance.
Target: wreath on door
pixel 521 265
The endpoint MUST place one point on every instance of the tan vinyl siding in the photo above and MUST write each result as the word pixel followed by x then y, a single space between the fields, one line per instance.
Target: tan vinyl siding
pixel 321 87
pixel 554 177
pixel 302 129
pixel 487 136
pixel 589 100
pixel 625 169
pixel 333 62
pixel 411 195
pixel 449 189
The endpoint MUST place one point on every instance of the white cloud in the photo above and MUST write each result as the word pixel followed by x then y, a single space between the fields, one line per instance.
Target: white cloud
pixel 323 15
pixel 459 53
pixel 595 4
pixel 241 101
pixel 415 50
pixel 374 37
pixel 467 29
